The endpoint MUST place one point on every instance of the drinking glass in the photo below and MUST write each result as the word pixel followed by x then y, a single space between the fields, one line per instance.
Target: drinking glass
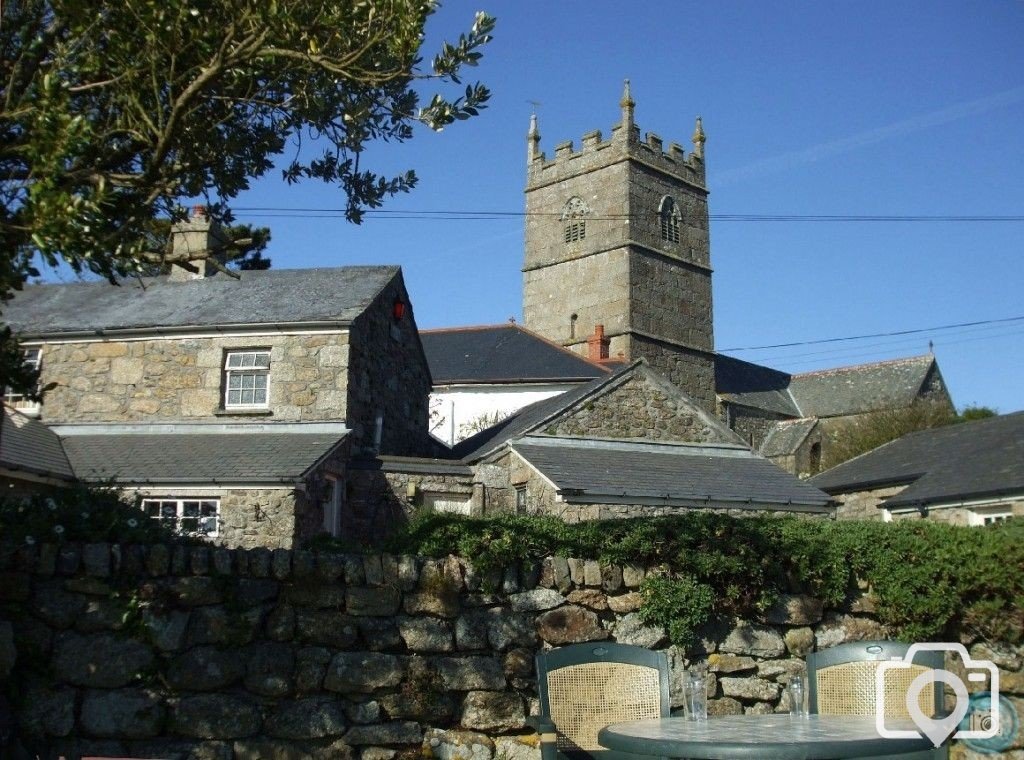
pixel 797 696
pixel 696 693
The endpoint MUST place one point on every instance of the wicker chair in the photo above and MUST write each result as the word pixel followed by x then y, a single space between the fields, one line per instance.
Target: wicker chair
pixel 585 687
pixel 841 681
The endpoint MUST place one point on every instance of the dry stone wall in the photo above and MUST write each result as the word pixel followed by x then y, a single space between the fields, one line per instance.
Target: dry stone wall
pixel 199 652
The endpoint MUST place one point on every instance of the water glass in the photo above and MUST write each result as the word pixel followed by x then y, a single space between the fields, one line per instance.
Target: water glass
pixel 696 693
pixel 797 690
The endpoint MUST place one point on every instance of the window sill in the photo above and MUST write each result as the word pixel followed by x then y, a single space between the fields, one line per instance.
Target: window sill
pixel 243 412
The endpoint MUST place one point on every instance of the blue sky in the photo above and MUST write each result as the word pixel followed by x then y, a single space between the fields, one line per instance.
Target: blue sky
pixel 810 108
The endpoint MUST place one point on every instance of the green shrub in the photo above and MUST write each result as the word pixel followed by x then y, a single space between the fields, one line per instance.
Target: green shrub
pixel 80 513
pixel 927 577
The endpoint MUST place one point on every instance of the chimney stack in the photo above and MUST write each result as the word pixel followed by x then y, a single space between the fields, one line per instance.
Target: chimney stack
pixel 597 345
pixel 196 235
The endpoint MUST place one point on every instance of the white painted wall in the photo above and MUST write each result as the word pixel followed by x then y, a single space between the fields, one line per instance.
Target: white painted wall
pixel 456 410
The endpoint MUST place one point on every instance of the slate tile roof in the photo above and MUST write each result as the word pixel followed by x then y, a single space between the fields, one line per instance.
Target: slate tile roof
pixel 258 297
pixel 753 385
pixel 590 471
pixel 824 393
pixel 971 460
pixel 28 445
pixel 217 458
pixel 862 388
pixel 507 353
pixel 784 438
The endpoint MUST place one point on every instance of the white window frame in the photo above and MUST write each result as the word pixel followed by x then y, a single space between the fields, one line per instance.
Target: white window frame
pixel 978 516
pixel 33 357
pixel 172 510
pixel 332 508
pixel 243 364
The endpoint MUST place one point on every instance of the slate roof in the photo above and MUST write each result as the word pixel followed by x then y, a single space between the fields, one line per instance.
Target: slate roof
pixel 824 393
pixel 276 296
pixel 217 458
pixel 785 437
pixel 506 353
pixel 862 388
pixel 753 385
pixel 590 471
pixel 977 459
pixel 524 420
pixel 27 444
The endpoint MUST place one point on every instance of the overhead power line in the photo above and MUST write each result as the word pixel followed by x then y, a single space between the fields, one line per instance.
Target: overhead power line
pixel 463 215
pixel 876 335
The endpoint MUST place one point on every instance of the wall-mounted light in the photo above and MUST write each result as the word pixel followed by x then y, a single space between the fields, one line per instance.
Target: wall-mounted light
pixel 398 310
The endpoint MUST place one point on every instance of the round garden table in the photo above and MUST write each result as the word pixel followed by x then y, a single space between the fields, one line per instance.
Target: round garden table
pixel 766 737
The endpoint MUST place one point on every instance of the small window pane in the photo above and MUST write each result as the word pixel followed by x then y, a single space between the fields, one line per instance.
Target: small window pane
pixel 191 516
pixel 260 396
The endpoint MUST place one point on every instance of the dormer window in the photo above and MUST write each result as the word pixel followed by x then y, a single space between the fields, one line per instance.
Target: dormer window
pixel 669 215
pixel 574 221
pixel 246 379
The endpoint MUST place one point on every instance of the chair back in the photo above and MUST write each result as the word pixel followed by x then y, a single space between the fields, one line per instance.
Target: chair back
pixel 585 687
pixel 841 680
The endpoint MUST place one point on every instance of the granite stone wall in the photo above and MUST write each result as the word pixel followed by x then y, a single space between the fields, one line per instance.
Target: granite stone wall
pixel 640 409
pixel 652 296
pixel 692 371
pixel 181 379
pixel 177 652
pixel 388 378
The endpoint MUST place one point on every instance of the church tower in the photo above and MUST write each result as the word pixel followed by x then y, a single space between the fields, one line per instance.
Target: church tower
pixel 617 236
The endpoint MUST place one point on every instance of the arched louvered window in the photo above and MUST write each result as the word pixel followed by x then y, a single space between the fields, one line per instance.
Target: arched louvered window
pixel 669 214
pixel 574 219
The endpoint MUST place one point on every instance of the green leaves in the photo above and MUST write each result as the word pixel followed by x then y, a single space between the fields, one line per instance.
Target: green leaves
pixel 927 577
pixel 112 113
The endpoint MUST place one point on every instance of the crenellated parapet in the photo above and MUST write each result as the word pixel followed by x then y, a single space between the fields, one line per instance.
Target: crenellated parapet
pixel 625 142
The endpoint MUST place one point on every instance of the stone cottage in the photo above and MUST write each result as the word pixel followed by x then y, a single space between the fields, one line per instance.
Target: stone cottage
pixel 230 405
pixel 966 474
pixel 791 419
pixel 629 444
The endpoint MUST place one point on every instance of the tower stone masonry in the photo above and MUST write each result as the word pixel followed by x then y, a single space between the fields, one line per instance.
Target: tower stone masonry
pixel 617 235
